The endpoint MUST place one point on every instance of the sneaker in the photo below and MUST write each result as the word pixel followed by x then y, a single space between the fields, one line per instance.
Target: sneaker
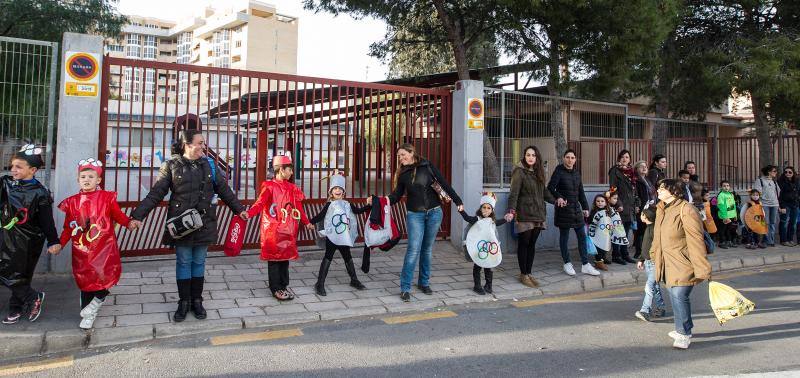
pixel 751 246
pixel 92 307
pixel 676 335
pixel 659 313
pixel 405 296
pixel 645 316
pixel 88 321
pixel 426 290
pixel 12 318
pixel 587 269
pixel 681 341
pixel 569 269
pixel 36 307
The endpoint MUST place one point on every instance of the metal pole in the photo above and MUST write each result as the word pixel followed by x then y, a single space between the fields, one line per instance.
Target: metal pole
pixel 51 111
pixel 715 151
pixel 502 137
pixel 625 126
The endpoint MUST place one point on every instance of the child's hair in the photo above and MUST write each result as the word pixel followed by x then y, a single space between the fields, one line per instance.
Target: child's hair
pixel 35 161
pixel 650 213
pixel 754 191
pixel 479 214
pixel 703 192
pixel 595 209
pixel 723 182
pixel 684 172
pixel 277 169
pixel 611 193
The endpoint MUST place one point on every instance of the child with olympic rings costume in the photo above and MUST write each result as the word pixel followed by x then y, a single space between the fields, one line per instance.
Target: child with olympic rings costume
pixel 340 228
pixel 599 205
pixel 26 217
pixel 280 203
pixel 486 210
pixel 89 225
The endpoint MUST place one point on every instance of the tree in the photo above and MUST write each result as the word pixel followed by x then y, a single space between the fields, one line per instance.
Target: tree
pixel 598 41
pixel 462 24
pixel 47 20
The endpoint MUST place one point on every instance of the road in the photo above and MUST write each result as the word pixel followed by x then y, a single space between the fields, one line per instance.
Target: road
pixel 593 334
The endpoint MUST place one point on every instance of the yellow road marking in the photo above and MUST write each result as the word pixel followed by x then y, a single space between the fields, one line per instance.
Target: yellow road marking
pixel 418 317
pixel 628 290
pixel 35 366
pixel 257 336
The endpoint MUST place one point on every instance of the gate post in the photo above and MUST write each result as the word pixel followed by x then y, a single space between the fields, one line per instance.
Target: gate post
pixel 78 134
pixel 467 147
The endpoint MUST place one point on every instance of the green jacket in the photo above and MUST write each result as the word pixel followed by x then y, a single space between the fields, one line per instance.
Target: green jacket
pixel 726 205
pixel 528 196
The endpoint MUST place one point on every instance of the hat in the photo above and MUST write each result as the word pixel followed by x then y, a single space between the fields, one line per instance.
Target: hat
pixel 91 163
pixel 489 198
pixel 337 180
pixel 281 160
pixel 31 154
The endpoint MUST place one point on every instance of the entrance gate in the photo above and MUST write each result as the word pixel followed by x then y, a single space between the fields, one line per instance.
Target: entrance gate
pixel 247 117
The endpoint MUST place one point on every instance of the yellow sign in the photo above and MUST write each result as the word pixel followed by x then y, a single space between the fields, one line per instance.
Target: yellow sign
pixel 475 114
pixel 81 73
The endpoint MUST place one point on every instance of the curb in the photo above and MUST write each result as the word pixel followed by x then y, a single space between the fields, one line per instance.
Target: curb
pixel 28 344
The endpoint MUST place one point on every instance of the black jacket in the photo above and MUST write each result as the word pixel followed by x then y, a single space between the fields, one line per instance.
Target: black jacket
pixel 566 183
pixel 190 183
pixel 626 192
pixel 21 245
pixel 790 192
pixel 415 182
pixel 654 175
pixel 643 192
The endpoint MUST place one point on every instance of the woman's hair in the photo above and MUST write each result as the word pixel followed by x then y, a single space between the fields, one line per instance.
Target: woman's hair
pixel 789 168
pixel 622 153
pixel 765 171
pixel 674 187
pixel 35 160
pixel 686 164
pixel 479 214
pixel 640 163
pixel 538 171
pixel 185 137
pixel 656 159
pixel 408 147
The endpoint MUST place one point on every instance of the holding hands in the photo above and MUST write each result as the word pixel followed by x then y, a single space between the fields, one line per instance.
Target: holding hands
pixel 509 217
pixel 134 224
pixel 54 249
pixel 244 215
pixel 561 202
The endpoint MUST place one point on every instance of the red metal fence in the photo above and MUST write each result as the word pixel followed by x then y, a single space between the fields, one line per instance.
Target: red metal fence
pixel 247 117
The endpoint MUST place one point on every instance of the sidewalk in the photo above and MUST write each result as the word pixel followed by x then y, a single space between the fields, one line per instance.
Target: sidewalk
pixel 236 297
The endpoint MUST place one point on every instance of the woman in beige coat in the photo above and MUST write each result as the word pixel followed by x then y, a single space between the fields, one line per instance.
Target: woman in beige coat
pixel 679 254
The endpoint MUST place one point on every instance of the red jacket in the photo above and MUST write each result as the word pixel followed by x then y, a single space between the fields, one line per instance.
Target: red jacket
pixel 281 206
pixel 89 224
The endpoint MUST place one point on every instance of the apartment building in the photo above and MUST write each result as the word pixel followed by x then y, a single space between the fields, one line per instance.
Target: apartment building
pixel 248 35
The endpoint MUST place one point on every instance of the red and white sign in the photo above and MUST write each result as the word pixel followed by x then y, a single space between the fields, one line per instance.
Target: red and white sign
pixel 82 74
pixel 475 114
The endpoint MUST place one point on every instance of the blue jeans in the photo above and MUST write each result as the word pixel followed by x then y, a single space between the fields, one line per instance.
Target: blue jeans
pixel 652 290
pixel 422 228
pixel 789 224
pixel 682 308
pixel 771 212
pixel 580 232
pixel 190 261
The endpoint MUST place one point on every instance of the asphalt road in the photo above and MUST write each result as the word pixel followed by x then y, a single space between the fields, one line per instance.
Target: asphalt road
pixel 586 335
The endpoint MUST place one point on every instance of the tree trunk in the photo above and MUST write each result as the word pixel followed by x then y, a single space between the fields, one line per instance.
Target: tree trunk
pixel 556 116
pixel 660 128
pixel 762 132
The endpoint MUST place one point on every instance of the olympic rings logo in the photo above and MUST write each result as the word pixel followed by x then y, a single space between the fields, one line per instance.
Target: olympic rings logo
pixel 340 222
pixel 485 248
pixel 287 211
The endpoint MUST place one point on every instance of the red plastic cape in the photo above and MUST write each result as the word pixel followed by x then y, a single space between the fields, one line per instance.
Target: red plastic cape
pixel 281 206
pixel 89 224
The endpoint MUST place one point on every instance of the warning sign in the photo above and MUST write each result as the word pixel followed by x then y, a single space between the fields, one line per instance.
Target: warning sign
pixel 475 114
pixel 81 71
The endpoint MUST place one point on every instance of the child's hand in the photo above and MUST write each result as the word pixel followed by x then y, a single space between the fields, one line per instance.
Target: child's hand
pixel 310 227
pixel 244 215
pixel 620 209
pixel 54 250
pixel 640 265
pixel 726 221
pixel 509 217
pixel 460 207
pixel 134 224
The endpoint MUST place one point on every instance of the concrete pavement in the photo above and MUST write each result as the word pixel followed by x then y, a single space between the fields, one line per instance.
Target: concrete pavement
pixel 237 297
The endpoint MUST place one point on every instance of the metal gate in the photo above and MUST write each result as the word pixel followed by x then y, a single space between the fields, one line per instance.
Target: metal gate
pixel 247 117
pixel 27 98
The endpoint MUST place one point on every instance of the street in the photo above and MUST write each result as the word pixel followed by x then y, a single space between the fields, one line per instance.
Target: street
pixel 590 334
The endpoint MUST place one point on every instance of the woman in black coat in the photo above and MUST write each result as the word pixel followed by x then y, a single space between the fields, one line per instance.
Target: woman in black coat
pixel 187 175
pixel 571 209
pixel 622 177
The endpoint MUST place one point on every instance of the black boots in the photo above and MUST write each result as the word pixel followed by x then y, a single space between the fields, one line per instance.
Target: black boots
pixel 184 293
pixel 351 271
pixel 197 298
pixel 476 276
pixel 489 275
pixel 323 273
pixel 365 260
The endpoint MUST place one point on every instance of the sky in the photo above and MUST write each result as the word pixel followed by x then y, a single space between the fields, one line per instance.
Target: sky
pixel 328 46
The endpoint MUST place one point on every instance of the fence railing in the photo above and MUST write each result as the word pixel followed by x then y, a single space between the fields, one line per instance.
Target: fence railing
pixel 597 131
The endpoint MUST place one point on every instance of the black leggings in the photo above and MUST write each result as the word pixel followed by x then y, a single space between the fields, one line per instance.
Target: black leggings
pixel 601 255
pixel 278 272
pixel 330 250
pixel 20 295
pixel 526 249
pixel 487 272
pixel 638 235
pixel 726 232
pixel 87 296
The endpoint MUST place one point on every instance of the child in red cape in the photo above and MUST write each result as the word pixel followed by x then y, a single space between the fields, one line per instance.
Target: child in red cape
pixel 89 225
pixel 280 203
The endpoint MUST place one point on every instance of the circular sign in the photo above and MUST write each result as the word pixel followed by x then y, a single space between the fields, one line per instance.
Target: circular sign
pixel 82 67
pixel 476 108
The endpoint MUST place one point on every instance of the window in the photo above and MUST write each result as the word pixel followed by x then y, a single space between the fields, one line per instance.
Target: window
pixel 149 47
pixel 602 125
pixel 678 129
pixel 238 43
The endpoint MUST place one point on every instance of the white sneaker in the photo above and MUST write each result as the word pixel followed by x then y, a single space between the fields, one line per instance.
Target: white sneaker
pixel 682 342
pixel 88 321
pixel 92 307
pixel 588 269
pixel 569 269
pixel 675 335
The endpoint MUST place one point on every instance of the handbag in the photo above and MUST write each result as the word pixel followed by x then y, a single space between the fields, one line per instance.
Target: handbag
pixel 184 224
pixel 443 196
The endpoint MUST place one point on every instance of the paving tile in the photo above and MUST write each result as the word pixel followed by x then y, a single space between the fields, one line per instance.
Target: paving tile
pixel 162 288
pixel 141 319
pixel 286 309
pixel 231 294
pixel 240 312
pixel 139 298
pixel 352 312
pixel 127 309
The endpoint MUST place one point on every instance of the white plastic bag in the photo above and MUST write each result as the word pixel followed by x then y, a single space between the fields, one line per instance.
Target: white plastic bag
pixel 483 245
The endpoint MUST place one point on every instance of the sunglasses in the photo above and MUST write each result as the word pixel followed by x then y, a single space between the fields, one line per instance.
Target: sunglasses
pixel 788 173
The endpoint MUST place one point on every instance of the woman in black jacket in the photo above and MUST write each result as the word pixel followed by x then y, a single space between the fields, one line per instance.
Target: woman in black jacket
pixel 657 172
pixel 571 209
pixel 187 175
pixel 622 177
pixel 644 192
pixel 413 178
pixel 788 200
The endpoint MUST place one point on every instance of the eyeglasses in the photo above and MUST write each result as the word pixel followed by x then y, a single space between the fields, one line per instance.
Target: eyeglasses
pixel 788 173
pixel 90 161
pixel 30 149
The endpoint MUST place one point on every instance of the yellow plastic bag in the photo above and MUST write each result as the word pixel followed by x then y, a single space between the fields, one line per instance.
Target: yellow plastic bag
pixel 727 303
